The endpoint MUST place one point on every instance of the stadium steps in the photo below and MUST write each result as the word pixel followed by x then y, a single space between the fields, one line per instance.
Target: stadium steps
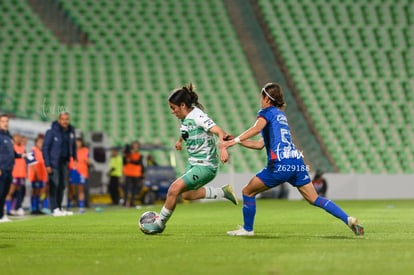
pixel 352 61
pixel 267 69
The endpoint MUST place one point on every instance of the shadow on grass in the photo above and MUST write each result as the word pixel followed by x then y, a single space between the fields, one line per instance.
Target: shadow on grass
pixel 339 237
pixel 258 237
pixel 281 237
pixel 4 246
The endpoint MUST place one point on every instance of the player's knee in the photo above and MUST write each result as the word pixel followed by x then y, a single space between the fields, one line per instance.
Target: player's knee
pixel 174 190
pixel 186 196
pixel 248 193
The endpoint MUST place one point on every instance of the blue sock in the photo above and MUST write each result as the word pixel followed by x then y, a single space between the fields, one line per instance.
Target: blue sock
pixel 249 211
pixel 33 203
pixel 36 203
pixel 46 203
pixel 81 204
pixel 331 208
pixel 8 206
pixel 69 204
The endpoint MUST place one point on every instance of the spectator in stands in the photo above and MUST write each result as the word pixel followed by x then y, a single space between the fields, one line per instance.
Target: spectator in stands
pixel 37 176
pixel 7 156
pixel 134 173
pixel 115 174
pixel 320 184
pixel 19 173
pixel 58 147
pixel 151 161
pixel 284 162
pixel 79 175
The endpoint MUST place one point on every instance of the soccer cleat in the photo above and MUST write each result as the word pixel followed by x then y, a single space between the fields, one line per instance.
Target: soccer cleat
pixel 20 212
pixel 152 228
pixel 81 210
pixel 357 228
pixel 229 194
pixel 160 223
pixel 46 211
pixel 58 213
pixel 67 213
pixel 4 219
pixel 240 232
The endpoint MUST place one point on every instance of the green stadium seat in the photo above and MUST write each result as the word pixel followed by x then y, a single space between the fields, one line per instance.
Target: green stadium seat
pixel 335 52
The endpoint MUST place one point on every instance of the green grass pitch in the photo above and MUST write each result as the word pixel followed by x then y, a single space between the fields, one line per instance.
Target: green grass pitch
pixel 291 238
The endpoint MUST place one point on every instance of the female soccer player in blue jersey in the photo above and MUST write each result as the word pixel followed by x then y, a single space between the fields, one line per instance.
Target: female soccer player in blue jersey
pixel 197 133
pixel 285 162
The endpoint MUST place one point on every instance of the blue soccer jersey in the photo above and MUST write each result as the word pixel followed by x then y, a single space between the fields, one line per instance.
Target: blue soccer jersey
pixel 276 135
pixel 285 162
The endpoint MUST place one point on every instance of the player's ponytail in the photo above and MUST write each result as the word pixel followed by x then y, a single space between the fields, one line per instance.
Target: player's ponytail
pixel 194 97
pixel 186 95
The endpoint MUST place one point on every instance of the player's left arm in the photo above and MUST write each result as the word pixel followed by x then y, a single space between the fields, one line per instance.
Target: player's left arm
pixel 224 156
pixel 251 132
pixel 218 132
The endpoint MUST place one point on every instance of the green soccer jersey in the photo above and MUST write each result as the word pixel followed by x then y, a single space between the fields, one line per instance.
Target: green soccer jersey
pixel 200 143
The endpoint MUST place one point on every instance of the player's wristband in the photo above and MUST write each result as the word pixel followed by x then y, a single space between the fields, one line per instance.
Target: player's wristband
pixel 237 139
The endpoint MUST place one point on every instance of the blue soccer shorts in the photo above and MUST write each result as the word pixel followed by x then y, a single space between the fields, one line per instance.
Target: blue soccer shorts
pixel 293 171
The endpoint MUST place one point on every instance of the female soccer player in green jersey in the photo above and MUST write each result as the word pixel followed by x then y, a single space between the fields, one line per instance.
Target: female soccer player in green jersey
pixel 197 133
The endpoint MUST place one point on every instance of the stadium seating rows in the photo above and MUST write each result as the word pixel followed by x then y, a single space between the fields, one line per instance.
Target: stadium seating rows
pixel 138 54
pixel 352 63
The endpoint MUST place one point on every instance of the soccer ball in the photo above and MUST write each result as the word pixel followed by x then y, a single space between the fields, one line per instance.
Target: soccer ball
pixel 148 225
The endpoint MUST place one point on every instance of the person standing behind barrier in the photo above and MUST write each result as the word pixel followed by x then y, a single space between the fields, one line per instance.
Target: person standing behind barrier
pixel 134 173
pixel 151 161
pixel 37 176
pixel 82 174
pixel 115 173
pixel 21 192
pixel 7 156
pixel 19 174
pixel 58 147
pixel 320 184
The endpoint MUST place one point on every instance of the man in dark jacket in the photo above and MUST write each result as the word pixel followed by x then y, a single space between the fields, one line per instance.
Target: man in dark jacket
pixel 58 146
pixel 7 156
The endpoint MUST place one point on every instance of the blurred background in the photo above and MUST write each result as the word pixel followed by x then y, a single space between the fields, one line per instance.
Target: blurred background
pixel 346 67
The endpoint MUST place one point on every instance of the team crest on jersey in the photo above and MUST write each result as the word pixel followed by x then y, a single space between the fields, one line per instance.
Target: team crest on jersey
pixel 184 134
pixel 282 119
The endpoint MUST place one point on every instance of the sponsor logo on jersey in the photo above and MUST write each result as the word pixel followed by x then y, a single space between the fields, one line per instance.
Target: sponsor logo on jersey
pixel 288 152
pixel 282 119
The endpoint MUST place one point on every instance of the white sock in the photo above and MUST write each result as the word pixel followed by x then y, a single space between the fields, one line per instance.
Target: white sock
pixel 213 193
pixel 165 214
